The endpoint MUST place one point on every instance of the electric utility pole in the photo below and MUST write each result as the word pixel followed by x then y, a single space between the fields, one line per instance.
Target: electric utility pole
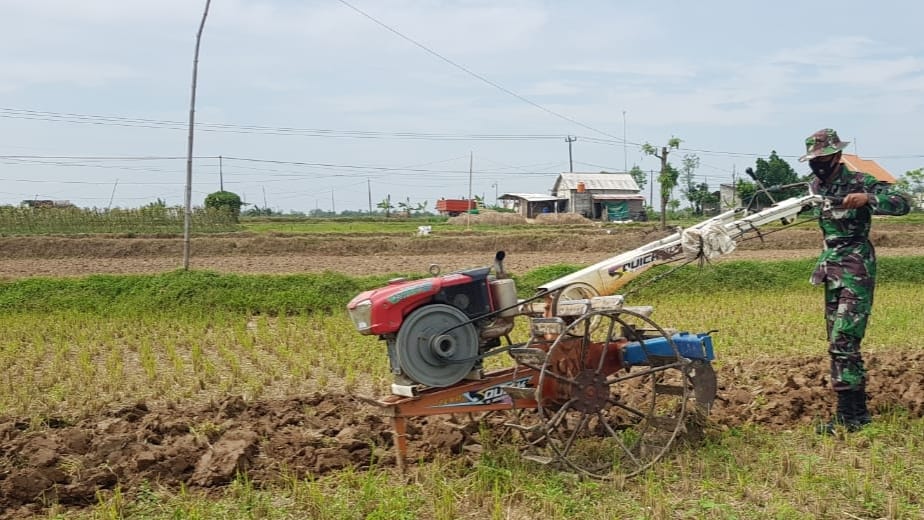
pixel 651 188
pixel 569 140
pixel 468 214
pixel 189 152
pixel 369 190
pixel 625 153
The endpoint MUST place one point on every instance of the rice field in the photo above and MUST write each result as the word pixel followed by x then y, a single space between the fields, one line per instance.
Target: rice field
pixel 99 345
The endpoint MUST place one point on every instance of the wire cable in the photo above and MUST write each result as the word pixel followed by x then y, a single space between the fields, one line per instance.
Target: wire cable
pixel 476 75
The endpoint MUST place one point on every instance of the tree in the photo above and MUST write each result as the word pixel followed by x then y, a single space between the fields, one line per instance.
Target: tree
pixel 225 200
pixel 641 178
pixel 407 208
pixel 257 211
pixel 745 190
pixel 691 190
pixel 385 205
pixel 914 180
pixel 772 172
pixel 668 176
pixel 699 197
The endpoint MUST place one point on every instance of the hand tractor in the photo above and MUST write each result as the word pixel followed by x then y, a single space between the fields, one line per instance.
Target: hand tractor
pixel 597 386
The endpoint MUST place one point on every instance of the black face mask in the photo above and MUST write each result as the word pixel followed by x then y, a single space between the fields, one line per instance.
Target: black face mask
pixel 823 166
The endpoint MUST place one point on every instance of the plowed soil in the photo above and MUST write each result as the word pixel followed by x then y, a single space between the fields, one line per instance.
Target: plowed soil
pixel 68 461
pixel 317 434
pixel 384 254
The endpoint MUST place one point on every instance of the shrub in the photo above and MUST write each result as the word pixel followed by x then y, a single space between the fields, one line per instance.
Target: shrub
pixel 225 200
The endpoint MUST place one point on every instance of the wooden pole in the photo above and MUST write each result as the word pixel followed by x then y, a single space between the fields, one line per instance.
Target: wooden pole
pixel 189 149
pixel 468 217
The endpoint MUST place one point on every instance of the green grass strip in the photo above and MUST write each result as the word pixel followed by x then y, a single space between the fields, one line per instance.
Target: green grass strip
pixel 205 292
pixel 192 292
pixel 748 275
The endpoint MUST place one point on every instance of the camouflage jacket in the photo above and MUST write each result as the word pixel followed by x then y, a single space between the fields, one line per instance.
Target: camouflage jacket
pixel 848 255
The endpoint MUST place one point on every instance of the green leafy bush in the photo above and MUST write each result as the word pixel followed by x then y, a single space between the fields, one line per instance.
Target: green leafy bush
pixel 225 201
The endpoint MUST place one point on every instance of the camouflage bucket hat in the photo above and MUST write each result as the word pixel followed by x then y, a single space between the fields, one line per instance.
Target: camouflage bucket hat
pixel 821 143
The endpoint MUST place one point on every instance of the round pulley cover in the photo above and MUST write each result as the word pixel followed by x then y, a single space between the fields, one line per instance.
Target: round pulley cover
pixel 434 348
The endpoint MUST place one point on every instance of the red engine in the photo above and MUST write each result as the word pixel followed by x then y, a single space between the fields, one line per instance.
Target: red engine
pixel 437 328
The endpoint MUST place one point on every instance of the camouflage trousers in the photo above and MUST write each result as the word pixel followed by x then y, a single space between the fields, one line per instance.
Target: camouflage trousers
pixel 847 311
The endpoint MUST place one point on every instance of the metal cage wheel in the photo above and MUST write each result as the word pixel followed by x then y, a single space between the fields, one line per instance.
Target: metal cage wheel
pixel 517 427
pixel 605 420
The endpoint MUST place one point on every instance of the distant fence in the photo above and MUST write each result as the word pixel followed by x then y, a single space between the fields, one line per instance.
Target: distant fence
pixel 70 221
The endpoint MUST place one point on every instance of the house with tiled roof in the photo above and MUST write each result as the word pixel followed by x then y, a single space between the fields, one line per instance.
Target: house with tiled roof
pixel 855 163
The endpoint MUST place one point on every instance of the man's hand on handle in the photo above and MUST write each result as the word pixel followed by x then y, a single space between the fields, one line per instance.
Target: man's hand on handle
pixel 855 200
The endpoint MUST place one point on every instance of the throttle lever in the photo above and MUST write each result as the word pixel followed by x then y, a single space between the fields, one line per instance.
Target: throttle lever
pixel 835 206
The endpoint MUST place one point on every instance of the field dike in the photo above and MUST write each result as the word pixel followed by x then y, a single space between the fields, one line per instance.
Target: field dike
pixel 206 445
pixel 579 239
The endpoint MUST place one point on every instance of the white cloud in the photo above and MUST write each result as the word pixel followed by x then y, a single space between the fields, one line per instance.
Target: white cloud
pixel 827 52
pixel 883 74
pixel 715 77
pixel 21 75
pixel 556 88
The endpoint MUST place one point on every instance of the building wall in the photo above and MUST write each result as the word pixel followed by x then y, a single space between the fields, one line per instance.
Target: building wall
pixel 635 207
pixel 582 204
pixel 728 197
pixel 522 208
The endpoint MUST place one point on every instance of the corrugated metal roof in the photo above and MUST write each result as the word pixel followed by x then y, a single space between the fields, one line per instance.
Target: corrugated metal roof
pixel 618 197
pixel 857 164
pixel 596 181
pixel 529 197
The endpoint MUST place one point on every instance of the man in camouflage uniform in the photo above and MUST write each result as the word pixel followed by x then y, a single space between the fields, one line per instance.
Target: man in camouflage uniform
pixel 847 266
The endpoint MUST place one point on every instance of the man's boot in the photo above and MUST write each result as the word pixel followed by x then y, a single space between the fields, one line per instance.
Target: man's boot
pixel 844 415
pixel 860 416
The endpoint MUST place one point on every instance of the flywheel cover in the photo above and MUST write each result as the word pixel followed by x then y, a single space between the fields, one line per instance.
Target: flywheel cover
pixel 431 354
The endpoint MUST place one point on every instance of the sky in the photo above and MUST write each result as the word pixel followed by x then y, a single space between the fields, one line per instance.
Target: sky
pixel 327 105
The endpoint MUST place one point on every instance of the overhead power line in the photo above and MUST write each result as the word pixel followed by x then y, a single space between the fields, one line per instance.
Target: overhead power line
pixel 118 121
pixel 104 158
pixel 104 162
pixel 475 74
pixel 107 183
pixel 103 120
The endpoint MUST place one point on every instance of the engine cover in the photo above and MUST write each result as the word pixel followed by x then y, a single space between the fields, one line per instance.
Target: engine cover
pixel 467 291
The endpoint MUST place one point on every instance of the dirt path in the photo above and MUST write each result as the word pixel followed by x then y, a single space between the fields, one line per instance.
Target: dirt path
pixel 352 265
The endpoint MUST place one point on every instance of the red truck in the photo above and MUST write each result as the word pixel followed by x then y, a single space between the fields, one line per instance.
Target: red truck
pixel 454 207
